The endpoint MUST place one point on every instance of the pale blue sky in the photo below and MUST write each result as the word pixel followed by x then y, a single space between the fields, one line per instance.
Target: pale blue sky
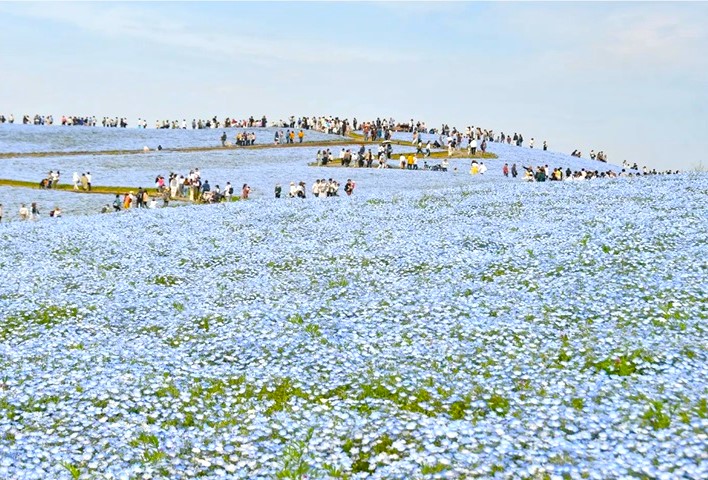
pixel 627 78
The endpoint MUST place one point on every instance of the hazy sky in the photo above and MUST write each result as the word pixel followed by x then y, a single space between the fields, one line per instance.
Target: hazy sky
pixel 627 78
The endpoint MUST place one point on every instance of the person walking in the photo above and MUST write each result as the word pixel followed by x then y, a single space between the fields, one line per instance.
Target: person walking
pixel 116 203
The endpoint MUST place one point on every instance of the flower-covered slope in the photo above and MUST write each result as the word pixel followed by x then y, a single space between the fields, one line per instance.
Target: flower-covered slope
pixel 479 329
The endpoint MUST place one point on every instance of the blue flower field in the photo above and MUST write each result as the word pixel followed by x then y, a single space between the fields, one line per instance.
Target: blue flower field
pixel 432 325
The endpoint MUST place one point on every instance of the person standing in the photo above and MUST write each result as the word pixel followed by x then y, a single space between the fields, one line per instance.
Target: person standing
pixel 514 172
pixel 278 191
pixel 88 180
pixel 76 180
pixel 2 211
pixel 545 146
pixel 245 191
pixel 116 203
pixel 505 170
pixel 228 191
pixel 24 213
pixel 349 187
pixel 300 135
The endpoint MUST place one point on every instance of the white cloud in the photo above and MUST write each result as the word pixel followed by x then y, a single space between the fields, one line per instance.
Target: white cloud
pixel 130 21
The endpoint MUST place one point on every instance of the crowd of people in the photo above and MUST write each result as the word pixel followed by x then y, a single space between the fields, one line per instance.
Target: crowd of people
pixel 373 130
pixel 321 188
pixel 542 173
pixel 361 158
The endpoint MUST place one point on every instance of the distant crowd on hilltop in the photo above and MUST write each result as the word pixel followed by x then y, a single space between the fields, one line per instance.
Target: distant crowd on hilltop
pixel 378 129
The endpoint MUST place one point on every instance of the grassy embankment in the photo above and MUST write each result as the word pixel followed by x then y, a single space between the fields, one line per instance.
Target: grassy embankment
pixel 102 189
pixel 180 149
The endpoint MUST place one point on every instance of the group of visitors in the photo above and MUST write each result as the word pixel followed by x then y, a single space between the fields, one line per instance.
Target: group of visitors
pixel 74 120
pixel 82 182
pixel 31 212
pixel 51 180
pixel 242 139
pixel 281 137
pixel 599 156
pixel 201 124
pixel 543 173
pixel 191 186
pixel 321 188
pixel 27 120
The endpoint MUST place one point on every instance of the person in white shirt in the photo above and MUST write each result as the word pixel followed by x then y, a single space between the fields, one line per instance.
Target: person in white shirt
pixel 324 188
pixel 75 179
pixel 293 190
pixel 24 212
pixel 531 143
pixel 482 168
pixel 88 179
pixel 473 146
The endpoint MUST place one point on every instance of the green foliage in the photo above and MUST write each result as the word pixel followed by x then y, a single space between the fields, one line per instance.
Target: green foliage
pixel 623 365
pixel 280 394
pixel 295 465
pixel 46 316
pixel 655 416
pixel 170 390
pixel 73 470
pixel 313 329
pixel 578 403
pixel 340 283
pixel 153 456
pixel 145 439
pixel 426 469
pixel 498 404
pixel 167 280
